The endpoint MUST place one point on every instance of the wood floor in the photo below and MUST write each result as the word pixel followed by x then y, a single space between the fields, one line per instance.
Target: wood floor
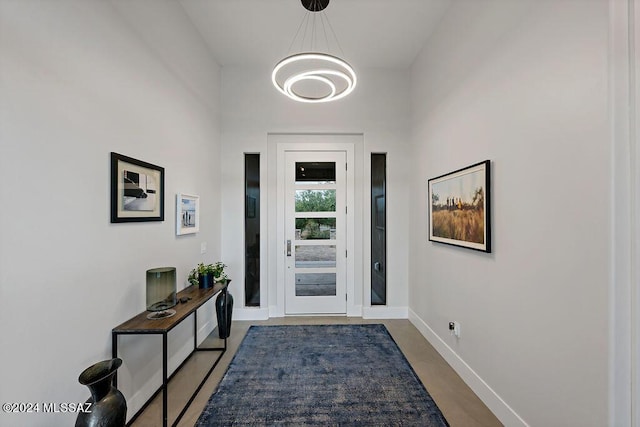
pixel 460 406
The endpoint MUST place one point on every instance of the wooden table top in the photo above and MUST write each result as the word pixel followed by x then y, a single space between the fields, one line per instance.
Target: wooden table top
pixel 140 323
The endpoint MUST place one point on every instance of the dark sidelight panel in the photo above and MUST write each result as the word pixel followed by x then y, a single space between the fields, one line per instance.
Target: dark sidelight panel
pixel 252 230
pixel 378 229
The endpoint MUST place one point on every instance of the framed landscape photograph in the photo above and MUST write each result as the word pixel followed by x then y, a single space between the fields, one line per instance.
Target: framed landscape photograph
pixel 187 214
pixel 137 190
pixel 459 207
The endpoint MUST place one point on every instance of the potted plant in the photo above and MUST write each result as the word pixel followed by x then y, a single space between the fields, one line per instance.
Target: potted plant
pixel 218 272
pixel 202 275
pixel 205 275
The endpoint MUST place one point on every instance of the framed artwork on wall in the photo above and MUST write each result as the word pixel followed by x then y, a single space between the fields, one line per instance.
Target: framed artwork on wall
pixel 459 207
pixel 187 214
pixel 137 190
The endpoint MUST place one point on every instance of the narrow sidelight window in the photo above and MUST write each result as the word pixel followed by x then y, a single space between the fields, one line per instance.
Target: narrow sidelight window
pixel 252 230
pixel 378 229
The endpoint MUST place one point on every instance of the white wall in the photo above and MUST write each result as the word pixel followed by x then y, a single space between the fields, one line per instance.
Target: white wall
pixel 379 109
pixel 79 79
pixel 524 84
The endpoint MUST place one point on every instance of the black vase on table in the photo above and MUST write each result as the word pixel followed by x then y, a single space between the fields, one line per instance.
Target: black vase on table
pixel 107 404
pixel 224 300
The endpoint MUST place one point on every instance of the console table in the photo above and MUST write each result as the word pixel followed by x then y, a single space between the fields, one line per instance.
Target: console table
pixel 140 325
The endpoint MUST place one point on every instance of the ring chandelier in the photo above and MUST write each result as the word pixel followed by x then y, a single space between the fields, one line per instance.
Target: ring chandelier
pixel 312 76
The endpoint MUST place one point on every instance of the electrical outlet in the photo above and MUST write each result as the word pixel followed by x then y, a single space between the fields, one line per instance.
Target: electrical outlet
pixel 203 247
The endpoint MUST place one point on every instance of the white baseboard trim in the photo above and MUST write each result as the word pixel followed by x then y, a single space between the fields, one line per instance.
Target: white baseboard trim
pixel 384 312
pixel 251 313
pixel 274 311
pixel 140 397
pixel 499 407
pixel 205 329
pixel 354 311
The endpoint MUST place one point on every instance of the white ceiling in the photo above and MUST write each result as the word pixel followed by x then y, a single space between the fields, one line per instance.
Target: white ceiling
pixel 371 33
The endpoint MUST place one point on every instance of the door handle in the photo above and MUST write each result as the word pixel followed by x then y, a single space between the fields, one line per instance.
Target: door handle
pixel 376 266
pixel 288 247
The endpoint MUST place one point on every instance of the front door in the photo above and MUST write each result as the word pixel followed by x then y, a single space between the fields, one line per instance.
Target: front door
pixel 315 232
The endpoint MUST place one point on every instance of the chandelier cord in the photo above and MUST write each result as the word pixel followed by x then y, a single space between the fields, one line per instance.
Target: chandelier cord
pixel 305 22
pixel 334 34
pixel 297 32
pixel 313 31
pixel 324 30
pixel 307 18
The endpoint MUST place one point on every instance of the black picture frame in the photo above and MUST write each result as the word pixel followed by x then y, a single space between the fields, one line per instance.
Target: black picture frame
pixel 459 210
pixel 137 190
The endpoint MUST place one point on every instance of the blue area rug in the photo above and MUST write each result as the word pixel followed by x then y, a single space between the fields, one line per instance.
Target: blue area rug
pixel 320 375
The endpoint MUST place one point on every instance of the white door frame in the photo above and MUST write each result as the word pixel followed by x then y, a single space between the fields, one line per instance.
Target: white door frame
pixel 624 115
pixel 352 145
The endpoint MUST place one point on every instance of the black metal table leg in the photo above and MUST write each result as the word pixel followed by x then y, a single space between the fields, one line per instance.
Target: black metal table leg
pixel 114 354
pixel 195 330
pixel 165 384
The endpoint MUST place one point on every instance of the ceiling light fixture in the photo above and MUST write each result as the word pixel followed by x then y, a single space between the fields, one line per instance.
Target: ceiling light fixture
pixel 314 76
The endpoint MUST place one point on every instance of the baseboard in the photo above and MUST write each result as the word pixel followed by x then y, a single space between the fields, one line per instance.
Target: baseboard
pixel 384 312
pixel 499 407
pixel 354 311
pixel 206 329
pixel 251 314
pixel 274 311
pixel 140 397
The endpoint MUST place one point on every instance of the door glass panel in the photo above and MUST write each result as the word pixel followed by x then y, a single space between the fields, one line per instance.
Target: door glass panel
pixel 315 172
pixel 315 284
pixel 315 228
pixel 378 229
pixel 252 230
pixel 315 256
pixel 315 200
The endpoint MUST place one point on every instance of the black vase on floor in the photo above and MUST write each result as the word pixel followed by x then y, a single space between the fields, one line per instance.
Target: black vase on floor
pixel 107 404
pixel 225 299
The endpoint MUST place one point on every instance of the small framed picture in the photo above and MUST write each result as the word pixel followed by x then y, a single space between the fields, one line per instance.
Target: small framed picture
pixel 187 214
pixel 137 190
pixel 459 207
